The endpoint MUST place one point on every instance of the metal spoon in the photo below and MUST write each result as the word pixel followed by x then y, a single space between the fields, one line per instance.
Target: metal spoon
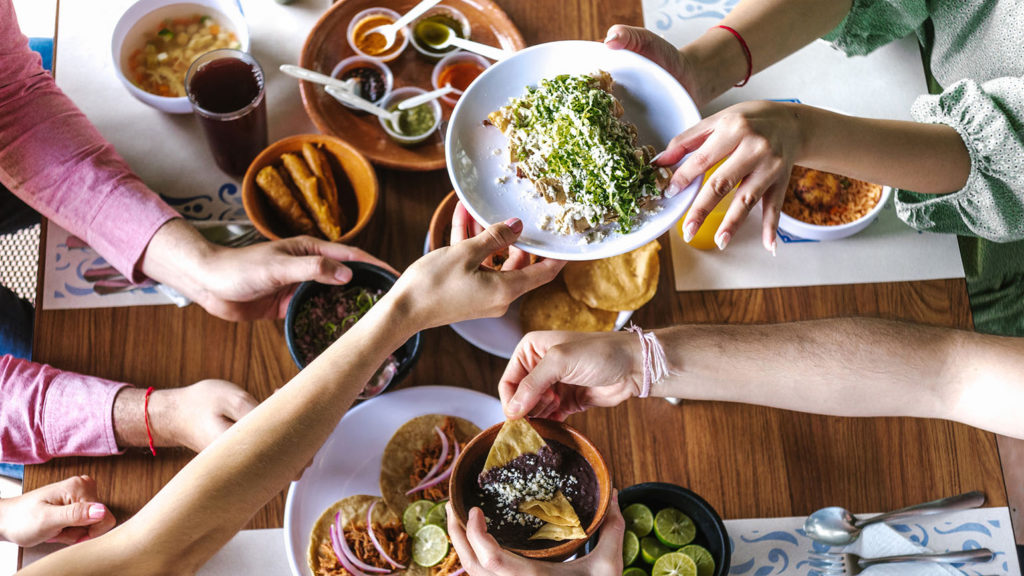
pixel 482 49
pixel 362 104
pixel 426 97
pixel 390 31
pixel 312 76
pixel 835 526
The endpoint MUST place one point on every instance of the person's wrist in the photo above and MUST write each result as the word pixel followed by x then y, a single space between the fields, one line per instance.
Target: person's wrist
pixel 714 62
pixel 165 421
pixel 180 257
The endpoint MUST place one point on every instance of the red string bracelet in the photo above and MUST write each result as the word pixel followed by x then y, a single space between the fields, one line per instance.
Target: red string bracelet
pixel 145 412
pixel 746 52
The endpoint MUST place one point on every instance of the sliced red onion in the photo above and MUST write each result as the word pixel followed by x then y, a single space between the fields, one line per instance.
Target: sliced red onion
pixel 457 572
pixel 373 538
pixel 347 558
pixel 444 475
pixel 433 470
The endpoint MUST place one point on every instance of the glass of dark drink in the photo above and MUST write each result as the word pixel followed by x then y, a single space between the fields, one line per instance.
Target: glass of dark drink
pixel 226 88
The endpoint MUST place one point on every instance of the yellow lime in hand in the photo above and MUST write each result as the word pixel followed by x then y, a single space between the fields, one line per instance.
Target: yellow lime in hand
pixel 704 239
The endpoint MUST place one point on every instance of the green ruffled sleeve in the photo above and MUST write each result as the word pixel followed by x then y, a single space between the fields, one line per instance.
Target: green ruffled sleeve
pixel 990 119
pixel 874 23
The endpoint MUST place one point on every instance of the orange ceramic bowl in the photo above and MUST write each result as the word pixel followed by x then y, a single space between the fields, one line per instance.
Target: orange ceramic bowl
pixel 441 222
pixel 358 190
pixel 471 461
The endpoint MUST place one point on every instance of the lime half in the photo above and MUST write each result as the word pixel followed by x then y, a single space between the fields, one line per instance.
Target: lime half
pixel 630 548
pixel 673 528
pixel 415 515
pixel 674 564
pixel 429 545
pixel 438 515
pixel 701 557
pixel 651 549
pixel 634 571
pixel 639 519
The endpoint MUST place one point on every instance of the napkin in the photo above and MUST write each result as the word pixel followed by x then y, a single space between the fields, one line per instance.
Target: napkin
pixel 879 540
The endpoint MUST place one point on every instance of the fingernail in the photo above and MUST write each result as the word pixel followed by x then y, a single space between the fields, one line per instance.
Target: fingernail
pixel 723 240
pixel 612 35
pixel 515 224
pixel 690 230
pixel 773 248
pixel 672 190
pixel 343 275
pixel 515 407
pixel 97 511
pixel 658 155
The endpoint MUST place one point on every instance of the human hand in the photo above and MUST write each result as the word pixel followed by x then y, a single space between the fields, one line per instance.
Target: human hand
pixel 449 285
pixel 194 416
pixel 464 226
pixel 759 142
pixel 661 52
pixel 480 554
pixel 556 374
pixel 65 512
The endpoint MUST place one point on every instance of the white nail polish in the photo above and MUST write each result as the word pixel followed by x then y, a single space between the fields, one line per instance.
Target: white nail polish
pixel 658 155
pixel 773 249
pixel 689 231
pixel 672 190
pixel 722 240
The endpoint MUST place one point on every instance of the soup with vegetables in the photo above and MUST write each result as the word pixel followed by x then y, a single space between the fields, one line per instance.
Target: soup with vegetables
pixel 159 67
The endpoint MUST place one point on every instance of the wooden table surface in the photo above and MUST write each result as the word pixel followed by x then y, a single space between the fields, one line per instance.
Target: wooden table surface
pixel 747 461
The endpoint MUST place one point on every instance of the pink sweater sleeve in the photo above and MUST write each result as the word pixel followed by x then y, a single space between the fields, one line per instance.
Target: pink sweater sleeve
pixel 46 413
pixel 53 158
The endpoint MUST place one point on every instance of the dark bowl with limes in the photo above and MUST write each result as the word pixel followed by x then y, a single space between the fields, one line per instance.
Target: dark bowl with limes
pixel 709 533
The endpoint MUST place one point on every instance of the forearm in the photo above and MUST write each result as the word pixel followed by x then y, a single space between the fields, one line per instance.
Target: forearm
pixel 926 158
pixel 176 255
pixel 772 29
pixel 130 412
pixel 852 367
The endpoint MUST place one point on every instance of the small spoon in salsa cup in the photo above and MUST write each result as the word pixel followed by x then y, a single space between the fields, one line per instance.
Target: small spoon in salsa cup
pixel 390 31
pixel 452 39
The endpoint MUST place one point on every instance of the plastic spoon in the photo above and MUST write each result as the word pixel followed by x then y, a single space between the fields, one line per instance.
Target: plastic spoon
pixel 311 76
pixel 835 526
pixel 426 97
pixel 482 49
pixel 390 31
pixel 347 97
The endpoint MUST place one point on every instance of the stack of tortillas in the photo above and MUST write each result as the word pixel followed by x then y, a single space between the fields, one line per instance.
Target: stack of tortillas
pixel 588 296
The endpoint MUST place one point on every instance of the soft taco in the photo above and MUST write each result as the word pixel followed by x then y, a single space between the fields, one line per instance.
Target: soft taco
pixel 411 459
pixel 342 536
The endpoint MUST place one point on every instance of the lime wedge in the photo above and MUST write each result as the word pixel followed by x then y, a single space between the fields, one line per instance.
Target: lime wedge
pixel 630 548
pixel 429 545
pixel 415 515
pixel 634 571
pixel 674 564
pixel 438 515
pixel 651 549
pixel 701 557
pixel 639 519
pixel 673 528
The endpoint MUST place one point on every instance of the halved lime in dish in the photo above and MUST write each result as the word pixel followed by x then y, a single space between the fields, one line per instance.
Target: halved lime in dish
pixel 630 548
pixel 674 564
pixel 634 571
pixel 429 545
pixel 438 515
pixel 651 549
pixel 701 557
pixel 673 528
pixel 639 519
pixel 415 515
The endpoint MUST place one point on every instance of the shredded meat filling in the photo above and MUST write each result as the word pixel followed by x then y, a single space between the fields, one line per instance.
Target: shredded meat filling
pixel 424 460
pixel 392 538
pixel 449 565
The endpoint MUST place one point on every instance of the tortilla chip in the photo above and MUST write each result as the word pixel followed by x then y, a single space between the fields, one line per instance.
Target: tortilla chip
pixel 555 532
pixel 399 455
pixel 623 282
pixel 557 511
pixel 515 438
pixel 550 307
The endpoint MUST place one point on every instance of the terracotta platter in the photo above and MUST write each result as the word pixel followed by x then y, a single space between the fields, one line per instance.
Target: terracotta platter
pixel 327 45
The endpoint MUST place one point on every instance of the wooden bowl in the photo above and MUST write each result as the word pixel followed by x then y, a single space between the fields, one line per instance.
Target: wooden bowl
pixel 471 461
pixel 441 222
pixel 358 190
pixel 326 45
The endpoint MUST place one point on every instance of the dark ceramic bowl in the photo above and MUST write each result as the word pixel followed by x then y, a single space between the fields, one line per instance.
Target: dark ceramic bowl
pixel 366 275
pixel 471 461
pixel 711 533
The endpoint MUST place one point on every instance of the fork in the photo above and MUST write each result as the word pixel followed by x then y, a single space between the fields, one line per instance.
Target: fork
pixel 837 563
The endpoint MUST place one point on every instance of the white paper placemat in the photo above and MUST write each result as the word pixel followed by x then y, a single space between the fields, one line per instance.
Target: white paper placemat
pixel 168 151
pixel 883 84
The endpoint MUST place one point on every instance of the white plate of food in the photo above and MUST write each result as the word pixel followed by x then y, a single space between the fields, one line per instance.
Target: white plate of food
pixel 349 462
pixel 485 178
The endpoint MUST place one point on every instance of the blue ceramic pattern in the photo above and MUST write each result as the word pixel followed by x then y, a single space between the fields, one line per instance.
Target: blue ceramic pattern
pixel 779 546
pixel 667 12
